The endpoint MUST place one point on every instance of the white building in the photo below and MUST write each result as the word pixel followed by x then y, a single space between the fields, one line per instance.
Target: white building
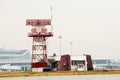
pixel 77 62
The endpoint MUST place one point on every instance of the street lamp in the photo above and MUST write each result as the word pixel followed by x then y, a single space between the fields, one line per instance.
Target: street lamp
pixel 71 47
pixel 60 37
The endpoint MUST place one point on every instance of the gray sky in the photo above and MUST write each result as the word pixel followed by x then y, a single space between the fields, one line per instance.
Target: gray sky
pixel 93 26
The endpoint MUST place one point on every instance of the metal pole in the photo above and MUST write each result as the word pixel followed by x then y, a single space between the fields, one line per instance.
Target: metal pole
pixel 60 37
pixel 71 47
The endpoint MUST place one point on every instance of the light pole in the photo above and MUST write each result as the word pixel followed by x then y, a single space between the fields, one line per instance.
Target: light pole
pixel 71 47
pixel 60 37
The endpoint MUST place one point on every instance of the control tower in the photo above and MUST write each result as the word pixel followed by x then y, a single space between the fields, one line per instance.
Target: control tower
pixel 41 30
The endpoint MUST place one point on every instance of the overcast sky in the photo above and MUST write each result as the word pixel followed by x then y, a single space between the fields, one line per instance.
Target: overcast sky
pixel 93 26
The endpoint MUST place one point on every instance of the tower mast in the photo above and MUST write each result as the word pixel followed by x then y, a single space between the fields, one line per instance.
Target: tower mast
pixel 40 32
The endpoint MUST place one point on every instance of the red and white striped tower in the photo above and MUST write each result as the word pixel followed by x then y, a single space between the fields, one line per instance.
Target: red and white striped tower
pixel 40 32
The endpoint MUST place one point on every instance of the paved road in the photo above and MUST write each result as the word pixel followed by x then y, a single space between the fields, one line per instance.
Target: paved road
pixel 86 77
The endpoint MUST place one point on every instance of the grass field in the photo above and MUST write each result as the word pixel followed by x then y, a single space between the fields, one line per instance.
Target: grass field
pixel 61 73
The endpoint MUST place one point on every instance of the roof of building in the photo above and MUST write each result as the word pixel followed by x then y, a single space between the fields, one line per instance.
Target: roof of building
pixel 7 52
pixel 73 57
pixel 14 56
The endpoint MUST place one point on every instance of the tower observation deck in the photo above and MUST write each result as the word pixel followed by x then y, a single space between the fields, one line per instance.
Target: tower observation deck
pixel 41 30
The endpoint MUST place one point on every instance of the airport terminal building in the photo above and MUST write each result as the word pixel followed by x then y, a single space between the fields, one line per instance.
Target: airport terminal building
pixel 14 60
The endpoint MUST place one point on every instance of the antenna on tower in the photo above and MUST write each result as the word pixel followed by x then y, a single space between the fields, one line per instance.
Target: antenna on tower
pixel 51 15
pixel 51 12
